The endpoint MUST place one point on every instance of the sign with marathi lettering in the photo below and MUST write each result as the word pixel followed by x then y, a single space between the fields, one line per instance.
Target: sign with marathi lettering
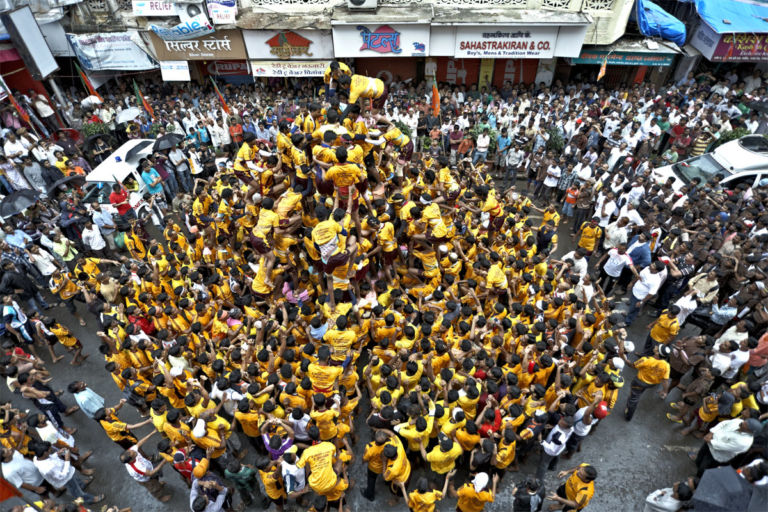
pixel 223 45
pixel 286 69
pixel 390 40
pixel 288 44
pixel 384 39
pixel 506 42
pixel 730 47
pixel 624 58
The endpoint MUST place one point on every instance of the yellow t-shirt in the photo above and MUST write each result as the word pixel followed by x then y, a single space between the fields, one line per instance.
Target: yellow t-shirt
pixel 652 371
pixel 472 501
pixel 443 462
pixel 425 502
pixel 320 459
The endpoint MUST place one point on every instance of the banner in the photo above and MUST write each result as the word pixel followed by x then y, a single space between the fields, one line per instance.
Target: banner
pixel 389 40
pixel 277 68
pixel 175 70
pixel 189 28
pixel 506 42
pixel 224 45
pixel 113 50
pixel 222 12
pixel 153 8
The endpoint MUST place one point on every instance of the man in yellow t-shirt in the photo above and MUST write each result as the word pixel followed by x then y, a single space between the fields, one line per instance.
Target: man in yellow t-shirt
pixel 320 458
pixel 473 495
pixel 651 371
pixel 589 235
pixel 363 87
pixel 577 491
pixel 663 329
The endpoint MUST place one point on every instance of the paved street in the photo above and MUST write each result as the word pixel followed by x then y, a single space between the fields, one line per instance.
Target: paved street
pixel 632 459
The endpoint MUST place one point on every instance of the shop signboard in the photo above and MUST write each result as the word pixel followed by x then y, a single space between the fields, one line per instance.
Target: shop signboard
pixel 288 69
pixel 624 58
pixel 224 45
pixel 289 44
pixel 730 47
pixel 505 42
pixel 387 40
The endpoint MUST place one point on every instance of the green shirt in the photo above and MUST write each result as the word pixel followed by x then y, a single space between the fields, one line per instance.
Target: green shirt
pixel 243 479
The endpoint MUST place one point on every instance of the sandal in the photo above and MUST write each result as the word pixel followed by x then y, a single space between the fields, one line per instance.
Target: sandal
pixel 673 420
pixel 82 323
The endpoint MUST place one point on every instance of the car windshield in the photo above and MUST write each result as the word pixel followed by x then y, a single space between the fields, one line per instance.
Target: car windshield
pixel 703 167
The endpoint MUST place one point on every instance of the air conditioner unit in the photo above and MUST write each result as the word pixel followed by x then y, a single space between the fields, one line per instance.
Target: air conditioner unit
pixel 360 5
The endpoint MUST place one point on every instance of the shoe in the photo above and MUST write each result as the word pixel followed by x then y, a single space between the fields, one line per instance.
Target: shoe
pixel 98 499
pixel 627 416
pixel 362 492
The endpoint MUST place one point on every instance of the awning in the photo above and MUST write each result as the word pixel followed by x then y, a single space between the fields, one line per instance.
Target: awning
pixel 631 52
pixel 734 16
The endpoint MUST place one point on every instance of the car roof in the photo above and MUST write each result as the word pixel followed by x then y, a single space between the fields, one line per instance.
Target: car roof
pixel 111 170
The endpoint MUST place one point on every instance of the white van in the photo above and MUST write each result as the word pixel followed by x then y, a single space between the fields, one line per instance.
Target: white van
pixel 739 161
pixel 117 168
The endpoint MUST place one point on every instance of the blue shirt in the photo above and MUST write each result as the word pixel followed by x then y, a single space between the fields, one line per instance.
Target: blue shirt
pixel 150 176
pixel 89 401
pixel 502 143
pixel 18 239
pixel 721 315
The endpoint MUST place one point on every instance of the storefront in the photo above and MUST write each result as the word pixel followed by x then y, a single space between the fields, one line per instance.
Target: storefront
pixel 389 51
pixel 288 53
pixel 221 54
pixel 491 55
pixel 628 61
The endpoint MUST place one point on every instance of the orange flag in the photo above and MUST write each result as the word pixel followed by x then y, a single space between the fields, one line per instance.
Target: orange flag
pixel 604 65
pixel 435 99
pixel 221 98
pixel 7 490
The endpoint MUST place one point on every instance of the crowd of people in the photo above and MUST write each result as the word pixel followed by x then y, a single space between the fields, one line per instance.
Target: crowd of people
pixel 358 265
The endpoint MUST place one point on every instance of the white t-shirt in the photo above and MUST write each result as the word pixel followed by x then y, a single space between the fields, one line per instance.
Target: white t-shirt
pixel 554 444
pixel 579 265
pixel 648 284
pixel 580 428
pixel 616 262
pixel 21 471
pixel 293 476
pixel 139 468
pixel 553 176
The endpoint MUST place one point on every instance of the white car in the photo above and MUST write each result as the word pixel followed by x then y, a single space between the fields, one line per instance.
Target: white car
pixel 739 161
pixel 119 167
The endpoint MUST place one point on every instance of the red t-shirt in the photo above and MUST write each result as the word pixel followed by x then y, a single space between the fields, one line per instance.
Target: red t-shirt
pixel 487 429
pixel 119 197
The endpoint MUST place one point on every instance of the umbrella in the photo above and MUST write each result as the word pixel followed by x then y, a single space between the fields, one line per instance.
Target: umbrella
pixel 129 114
pixel 758 106
pixel 135 150
pixel 17 202
pixel 75 180
pixel 722 490
pixel 167 141
pixel 91 141
pixel 91 101
pixel 759 501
